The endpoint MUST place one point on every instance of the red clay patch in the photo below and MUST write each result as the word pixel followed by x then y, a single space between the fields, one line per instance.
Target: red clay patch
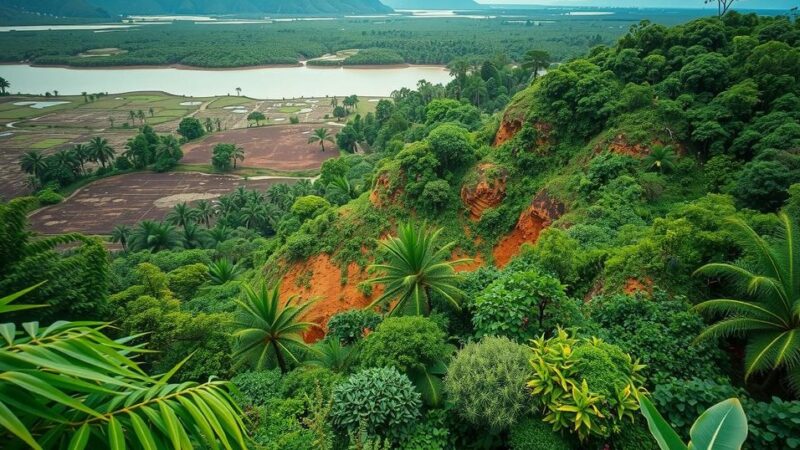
pixel 542 212
pixel 279 147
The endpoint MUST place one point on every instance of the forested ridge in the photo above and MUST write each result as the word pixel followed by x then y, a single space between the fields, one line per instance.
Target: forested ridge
pixel 605 263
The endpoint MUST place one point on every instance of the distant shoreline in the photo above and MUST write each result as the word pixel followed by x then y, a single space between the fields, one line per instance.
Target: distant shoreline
pixel 224 69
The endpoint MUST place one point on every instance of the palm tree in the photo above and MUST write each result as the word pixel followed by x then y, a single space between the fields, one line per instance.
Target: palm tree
pixel 661 158
pixel 205 212
pixel 182 214
pixel 34 163
pixel 269 331
pixel 237 155
pixel 140 115
pixel 4 84
pixel 238 91
pixel 414 268
pixel 83 155
pixel 193 236
pixel 768 312
pixel 321 135
pixel 152 112
pixel 69 378
pixel 132 116
pixel 66 160
pixel 342 185
pixel 223 271
pixel 100 151
pixel 121 234
pixel 219 233
pixel 154 236
pixel 85 97
pixel 331 354
pixel 535 60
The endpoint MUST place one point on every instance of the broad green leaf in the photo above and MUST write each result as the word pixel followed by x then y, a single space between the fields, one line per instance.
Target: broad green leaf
pixel 80 438
pixel 38 387
pixel 666 437
pixel 142 432
pixel 11 423
pixel 172 424
pixel 721 427
pixel 116 439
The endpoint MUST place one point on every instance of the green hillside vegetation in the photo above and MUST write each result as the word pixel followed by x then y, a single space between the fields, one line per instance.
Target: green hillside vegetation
pixel 642 204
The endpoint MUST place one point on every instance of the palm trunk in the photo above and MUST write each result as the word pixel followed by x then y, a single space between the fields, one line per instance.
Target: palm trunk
pixel 279 357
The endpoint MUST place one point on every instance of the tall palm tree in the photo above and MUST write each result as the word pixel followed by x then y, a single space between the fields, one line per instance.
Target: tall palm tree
pixel 321 135
pixel 661 158
pixel 121 234
pixel 237 155
pixel 4 84
pixel 132 116
pixel 269 332
pixel 182 214
pixel 219 233
pixel 768 311
pixel 238 91
pixel 193 236
pixel 205 212
pixel 83 155
pixel 535 60
pixel 101 151
pixel 34 163
pixel 154 236
pixel 67 161
pixel 414 268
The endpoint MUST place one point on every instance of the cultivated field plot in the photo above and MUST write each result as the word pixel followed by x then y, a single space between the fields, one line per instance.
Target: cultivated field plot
pixel 278 147
pixel 15 142
pixel 131 198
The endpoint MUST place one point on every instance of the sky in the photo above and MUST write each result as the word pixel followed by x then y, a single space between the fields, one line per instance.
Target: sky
pixel 743 4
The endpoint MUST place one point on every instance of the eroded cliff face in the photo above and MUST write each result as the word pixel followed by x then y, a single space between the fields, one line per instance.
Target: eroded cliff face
pixel 384 193
pixel 543 210
pixel 488 192
pixel 509 127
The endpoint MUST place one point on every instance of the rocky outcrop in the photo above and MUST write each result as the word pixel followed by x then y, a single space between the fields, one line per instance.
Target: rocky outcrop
pixel 488 192
pixel 543 210
pixel 620 145
pixel 509 127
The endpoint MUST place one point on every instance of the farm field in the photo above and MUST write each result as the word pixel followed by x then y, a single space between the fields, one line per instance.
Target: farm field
pixel 130 198
pixel 278 147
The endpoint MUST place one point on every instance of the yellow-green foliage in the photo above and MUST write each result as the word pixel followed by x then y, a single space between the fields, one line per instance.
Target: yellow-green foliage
pixel 584 385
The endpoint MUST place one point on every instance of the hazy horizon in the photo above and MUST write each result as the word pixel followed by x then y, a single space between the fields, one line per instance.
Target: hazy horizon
pixel 694 4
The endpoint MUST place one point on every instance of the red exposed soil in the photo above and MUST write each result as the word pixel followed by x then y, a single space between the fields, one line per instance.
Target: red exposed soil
pixel 131 198
pixel 487 193
pixel 620 146
pixel 318 278
pixel 542 212
pixel 508 129
pixel 381 194
pixel 279 147
pixel 634 285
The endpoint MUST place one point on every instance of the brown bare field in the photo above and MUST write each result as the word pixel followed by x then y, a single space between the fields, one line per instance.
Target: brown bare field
pixel 131 198
pixel 279 147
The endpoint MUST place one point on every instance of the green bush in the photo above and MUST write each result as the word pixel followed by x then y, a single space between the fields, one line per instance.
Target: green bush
pixel 280 426
pixel 184 281
pixel 584 385
pixel 309 206
pixel 634 436
pixel 381 400
pixel 429 434
pixel 532 433
pixel 349 326
pixel 523 305
pixel 257 388
pixel 302 382
pixel 486 382
pixel 404 343
pixel 49 197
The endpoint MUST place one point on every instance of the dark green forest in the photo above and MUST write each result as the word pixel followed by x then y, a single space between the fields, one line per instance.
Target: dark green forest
pixel 607 262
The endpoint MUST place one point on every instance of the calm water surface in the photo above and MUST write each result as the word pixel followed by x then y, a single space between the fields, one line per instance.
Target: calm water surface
pixel 281 82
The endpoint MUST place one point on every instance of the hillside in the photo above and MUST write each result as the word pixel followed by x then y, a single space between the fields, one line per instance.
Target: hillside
pixel 434 4
pixel 102 8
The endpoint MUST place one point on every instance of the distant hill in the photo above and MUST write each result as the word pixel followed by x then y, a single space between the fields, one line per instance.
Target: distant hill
pixel 107 8
pixel 433 4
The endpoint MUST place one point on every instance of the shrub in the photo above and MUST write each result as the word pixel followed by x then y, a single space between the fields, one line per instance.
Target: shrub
pixel 309 206
pixel 404 343
pixel 486 382
pixel 523 305
pixel 349 326
pixel 452 146
pixel 258 388
pixel 294 119
pixel 280 428
pixel 381 400
pixel 302 382
pixel 429 434
pixel 584 385
pixel 300 245
pixel 184 281
pixel 532 433
pixel 635 436
pixel 660 332
pixel 49 197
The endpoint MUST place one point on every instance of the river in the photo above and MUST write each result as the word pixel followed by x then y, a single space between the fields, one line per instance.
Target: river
pixel 267 82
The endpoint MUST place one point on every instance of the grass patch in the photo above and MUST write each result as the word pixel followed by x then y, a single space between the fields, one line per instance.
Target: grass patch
pixel 247 171
pixel 48 143
pixel 289 109
pixel 222 102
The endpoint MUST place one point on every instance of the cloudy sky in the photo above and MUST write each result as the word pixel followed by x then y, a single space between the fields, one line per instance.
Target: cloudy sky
pixel 754 4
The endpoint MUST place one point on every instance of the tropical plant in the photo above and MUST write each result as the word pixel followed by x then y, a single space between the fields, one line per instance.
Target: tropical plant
pixel 350 326
pixel 721 427
pixel 414 267
pixel 68 385
pixel 342 185
pixel 192 236
pixel 4 84
pixel 121 234
pixel 767 314
pixel 237 155
pixel 661 158
pixel 534 61
pixel 257 117
pixel 321 135
pixel 100 151
pixel 382 400
pixel 269 332
pixel 82 155
pixel 486 382
pixel 182 214
pixel 154 236
pixel 223 271
pixel 584 385
pixel 332 355
pixel 205 212
pixel 34 163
